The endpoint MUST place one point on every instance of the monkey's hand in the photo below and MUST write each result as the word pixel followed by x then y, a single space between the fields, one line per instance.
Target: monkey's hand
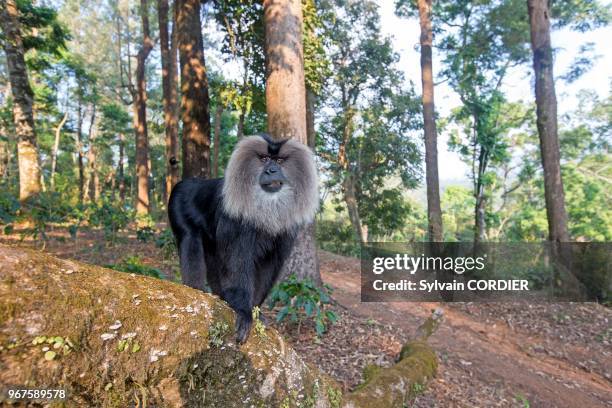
pixel 244 321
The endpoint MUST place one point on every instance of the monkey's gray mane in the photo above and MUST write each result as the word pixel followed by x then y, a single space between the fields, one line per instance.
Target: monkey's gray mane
pixel 293 206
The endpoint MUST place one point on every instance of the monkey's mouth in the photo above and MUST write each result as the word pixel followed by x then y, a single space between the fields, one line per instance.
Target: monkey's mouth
pixel 272 187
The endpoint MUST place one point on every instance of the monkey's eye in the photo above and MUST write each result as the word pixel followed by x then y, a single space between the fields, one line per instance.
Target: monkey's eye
pixel 264 159
pixel 280 160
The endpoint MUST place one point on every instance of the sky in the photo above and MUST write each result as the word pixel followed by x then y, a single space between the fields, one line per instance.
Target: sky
pixel 518 85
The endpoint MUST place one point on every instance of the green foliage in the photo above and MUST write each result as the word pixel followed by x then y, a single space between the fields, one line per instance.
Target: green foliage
pixel 41 29
pixel 302 299
pixel 337 236
pixel 581 15
pixel 366 135
pixel 9 206
pixel 111 216
pixel 133 264
pixel 216 333
pixel 42 211
pixel 165 241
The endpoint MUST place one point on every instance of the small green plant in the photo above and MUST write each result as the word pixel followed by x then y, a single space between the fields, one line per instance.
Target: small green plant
pixel 165 242
pixel 417 388
pixel 52 345
pixel 145 228
pixel 522 400
pixel 301 298
pixel 133 264
pixel 42 210
pixel 9 206
pixel 216 333
pixel 334 395
pixel 112 217
pixel 260 328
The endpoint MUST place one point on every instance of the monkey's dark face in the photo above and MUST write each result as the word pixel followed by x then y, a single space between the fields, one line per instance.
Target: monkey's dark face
pixel 272 184
pixel 272 177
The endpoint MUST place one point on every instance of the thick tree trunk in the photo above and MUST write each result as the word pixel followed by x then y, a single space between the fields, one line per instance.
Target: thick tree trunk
pixel 286 106
pixel 23 116
pixel 140 116
pixel 546 108
pixel 194 91
pixel 285 87
pixel 218 115
pixel 434 212
pixel 56 143
pixel 168 59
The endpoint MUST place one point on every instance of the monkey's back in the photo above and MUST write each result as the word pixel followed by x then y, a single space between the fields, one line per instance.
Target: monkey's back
pixel 193 204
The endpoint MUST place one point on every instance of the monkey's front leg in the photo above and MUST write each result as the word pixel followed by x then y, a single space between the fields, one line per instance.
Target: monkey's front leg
pixel 237 284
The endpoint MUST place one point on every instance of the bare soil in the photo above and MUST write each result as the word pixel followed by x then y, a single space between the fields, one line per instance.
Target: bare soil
pixel 491 354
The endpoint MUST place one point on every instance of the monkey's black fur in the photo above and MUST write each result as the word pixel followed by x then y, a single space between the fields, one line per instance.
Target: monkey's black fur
pixel 239 261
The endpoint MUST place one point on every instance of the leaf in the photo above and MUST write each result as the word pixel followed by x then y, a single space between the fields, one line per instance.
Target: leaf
pixel 136 347
pixel 50 355
pixel 320 327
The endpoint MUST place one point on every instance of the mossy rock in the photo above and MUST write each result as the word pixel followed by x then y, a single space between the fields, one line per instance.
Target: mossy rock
pixel 136 339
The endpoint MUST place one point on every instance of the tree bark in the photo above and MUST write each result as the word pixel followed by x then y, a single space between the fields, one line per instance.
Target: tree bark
pixel 546 109
pixel 56 143
pixel 218 115
pixel 120 169
pixel 240 131
pixel 23 116
pixel 168 60
pixel 194 90
pixel 286 106
pixel 434 212
pixel 140 116
pixel 79 148
pixel 285 87
pixel 94 180
pixel 350 198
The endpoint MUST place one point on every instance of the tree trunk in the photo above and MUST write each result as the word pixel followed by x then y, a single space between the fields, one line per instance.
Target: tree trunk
pixel 240 131
pixel 218 115
pixel 286 106
pixel 434 212
pixel 23 116
pixel 479 217
pixel 168 60
pixel 546 108
pixel 194 90
pixel 56 143
pixel 94 181
pixel 350 198
pixel 140 116
pixel 310 118
pixel 79 148
pixel 285 87
pixel 120 169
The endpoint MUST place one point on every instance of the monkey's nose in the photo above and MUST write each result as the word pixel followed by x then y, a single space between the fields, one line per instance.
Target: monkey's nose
pixel 271 170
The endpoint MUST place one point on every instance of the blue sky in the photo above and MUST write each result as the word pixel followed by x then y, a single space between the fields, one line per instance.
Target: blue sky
pixel 517 86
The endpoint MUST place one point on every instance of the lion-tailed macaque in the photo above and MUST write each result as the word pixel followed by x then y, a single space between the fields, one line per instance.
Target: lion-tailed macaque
pixel 236 232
